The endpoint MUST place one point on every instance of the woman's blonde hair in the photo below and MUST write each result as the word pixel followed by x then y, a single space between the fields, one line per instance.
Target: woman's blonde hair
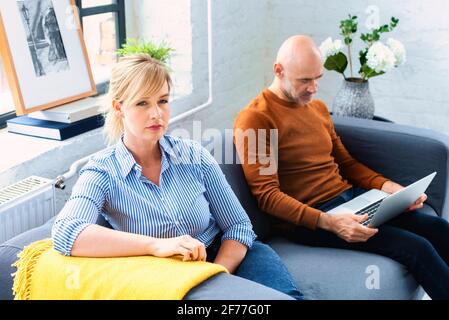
pixel 132 78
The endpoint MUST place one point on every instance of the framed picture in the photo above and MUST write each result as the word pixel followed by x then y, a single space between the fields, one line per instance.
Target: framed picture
pixel 44 54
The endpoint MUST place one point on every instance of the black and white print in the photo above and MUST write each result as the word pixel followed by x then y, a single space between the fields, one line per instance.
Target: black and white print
pixel 44 36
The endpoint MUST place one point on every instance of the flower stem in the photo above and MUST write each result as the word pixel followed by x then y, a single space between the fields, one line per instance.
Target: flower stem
pixel 350 59
pixel 367 75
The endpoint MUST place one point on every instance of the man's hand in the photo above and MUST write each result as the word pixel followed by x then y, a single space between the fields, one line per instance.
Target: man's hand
pixel 418 204
pixel 347 226
pixel 393 187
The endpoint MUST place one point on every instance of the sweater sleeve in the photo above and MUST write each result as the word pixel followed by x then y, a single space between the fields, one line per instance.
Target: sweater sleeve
pixel 256 141
pixel 352 170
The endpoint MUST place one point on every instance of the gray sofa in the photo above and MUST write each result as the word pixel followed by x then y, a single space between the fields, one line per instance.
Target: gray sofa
pixel 400 152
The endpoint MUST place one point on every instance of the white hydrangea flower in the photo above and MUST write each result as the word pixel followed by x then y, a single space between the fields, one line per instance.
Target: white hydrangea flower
pixel 380 57
pixel 398 51
pixel 329 48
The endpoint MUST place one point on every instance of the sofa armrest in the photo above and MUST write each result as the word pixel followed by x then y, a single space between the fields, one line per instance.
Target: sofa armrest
pixel 401 153
pixel 11 248
pixel 8 255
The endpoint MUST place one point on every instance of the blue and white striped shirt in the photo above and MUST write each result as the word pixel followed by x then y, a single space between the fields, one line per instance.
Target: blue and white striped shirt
pixel 193 198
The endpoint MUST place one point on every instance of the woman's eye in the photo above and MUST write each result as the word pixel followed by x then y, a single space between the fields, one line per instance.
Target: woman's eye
pixel 142 103
pixel 163 101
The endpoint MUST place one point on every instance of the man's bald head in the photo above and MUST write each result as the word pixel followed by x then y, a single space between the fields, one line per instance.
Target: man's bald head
pixel 297 69
pixel 296 50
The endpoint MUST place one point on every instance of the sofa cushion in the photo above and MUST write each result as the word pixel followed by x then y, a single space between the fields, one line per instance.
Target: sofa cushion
pixel 327 273
pixel 225 286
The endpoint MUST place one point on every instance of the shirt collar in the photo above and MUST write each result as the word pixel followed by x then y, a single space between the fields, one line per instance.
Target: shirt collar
pixel 127 162
pixel 166 146
pixel 124 157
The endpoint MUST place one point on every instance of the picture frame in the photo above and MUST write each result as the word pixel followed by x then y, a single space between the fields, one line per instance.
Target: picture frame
pixel 44 54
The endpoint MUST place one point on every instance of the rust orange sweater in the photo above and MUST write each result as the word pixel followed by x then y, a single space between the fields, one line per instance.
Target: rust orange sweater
pixel 313 164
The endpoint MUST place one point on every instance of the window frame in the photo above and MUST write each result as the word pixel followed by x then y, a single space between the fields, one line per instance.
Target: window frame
pixel 119 9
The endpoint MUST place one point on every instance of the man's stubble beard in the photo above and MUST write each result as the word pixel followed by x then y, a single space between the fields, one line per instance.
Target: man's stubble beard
pixel 286 90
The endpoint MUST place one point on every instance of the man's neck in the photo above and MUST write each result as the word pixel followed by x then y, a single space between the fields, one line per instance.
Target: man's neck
pixel 278 92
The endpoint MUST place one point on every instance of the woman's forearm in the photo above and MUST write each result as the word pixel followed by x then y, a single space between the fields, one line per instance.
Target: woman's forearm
pixel 100 242
pixel 231 254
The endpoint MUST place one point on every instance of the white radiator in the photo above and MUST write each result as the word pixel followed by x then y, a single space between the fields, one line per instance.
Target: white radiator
pixel 25 205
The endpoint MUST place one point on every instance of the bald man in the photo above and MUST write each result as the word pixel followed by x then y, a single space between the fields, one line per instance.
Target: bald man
pixel 314 173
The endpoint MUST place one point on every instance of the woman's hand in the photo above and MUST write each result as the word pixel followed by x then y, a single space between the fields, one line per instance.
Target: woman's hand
pixel 186 246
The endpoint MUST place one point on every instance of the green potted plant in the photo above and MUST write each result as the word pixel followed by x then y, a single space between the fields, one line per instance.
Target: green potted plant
pixel 354 98
pixel 159 51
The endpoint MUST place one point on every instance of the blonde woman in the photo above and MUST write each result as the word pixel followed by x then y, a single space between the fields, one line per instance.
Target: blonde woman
pixel 163 196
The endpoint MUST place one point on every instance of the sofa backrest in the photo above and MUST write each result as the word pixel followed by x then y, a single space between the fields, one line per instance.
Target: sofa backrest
pixel 260 220
pixel 232 169
pixel 401 153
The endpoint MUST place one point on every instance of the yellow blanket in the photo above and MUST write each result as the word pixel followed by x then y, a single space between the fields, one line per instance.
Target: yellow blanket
pixel 43 273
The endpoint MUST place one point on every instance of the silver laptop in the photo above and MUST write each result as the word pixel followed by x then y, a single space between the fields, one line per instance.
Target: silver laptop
pixel 381 206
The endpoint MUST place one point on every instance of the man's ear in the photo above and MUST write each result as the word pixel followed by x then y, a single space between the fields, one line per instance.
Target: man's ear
pixel 278 70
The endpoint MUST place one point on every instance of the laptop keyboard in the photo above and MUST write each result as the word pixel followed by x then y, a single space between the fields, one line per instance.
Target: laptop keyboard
pixel 370 210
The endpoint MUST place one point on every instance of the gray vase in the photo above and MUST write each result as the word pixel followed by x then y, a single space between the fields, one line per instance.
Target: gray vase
pixel 354 99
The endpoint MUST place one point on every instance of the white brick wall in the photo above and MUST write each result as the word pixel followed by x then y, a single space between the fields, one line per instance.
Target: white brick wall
pixel 246 35
pixel 239 50
pixel 414 94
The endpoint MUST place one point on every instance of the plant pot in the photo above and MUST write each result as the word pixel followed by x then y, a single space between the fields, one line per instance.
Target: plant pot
pixel 354 99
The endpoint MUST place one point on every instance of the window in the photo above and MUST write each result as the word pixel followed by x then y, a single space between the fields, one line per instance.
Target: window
pixel 103 23
pixel 170 21
pixel 7 110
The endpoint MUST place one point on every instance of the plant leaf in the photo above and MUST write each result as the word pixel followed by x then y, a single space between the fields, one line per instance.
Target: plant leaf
pixel 338 62
pixel 367 72
pixel 161 51
pixel 362 56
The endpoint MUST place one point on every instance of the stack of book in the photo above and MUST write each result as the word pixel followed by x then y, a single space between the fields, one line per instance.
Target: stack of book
pixel 59 123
